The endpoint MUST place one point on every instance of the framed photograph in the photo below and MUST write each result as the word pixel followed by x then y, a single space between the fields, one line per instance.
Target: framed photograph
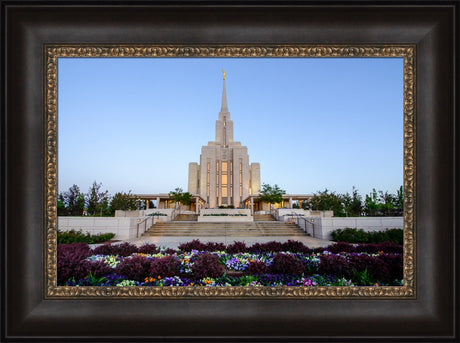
pixel 40 45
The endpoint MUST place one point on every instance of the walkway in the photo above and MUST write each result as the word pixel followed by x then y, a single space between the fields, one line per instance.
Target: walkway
pixel 174 241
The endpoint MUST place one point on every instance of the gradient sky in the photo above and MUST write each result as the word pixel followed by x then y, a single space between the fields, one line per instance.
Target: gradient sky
pixel 312 123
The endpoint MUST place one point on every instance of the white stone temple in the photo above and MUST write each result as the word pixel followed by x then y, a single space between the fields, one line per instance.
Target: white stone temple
pixel 224 176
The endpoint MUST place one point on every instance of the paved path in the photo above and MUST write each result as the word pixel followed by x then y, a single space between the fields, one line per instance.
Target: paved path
pixel 174 242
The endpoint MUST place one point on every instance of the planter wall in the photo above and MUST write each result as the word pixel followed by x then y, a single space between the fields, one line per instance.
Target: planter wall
pixel 324 226
pixel 122 227
pixel 225 219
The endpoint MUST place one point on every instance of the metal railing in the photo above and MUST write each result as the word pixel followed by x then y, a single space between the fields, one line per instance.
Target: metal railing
pixel 144 223
pixel 304 223
pixel 173 214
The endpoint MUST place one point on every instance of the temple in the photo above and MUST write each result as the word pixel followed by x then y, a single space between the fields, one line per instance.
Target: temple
pixel 224 176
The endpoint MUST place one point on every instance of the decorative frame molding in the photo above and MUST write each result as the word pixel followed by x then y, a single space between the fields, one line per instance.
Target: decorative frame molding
pixel 407 52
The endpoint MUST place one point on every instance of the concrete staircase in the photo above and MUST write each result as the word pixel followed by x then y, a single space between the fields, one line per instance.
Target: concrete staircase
pixel 186 217
pixel 264 218
pixel 248 229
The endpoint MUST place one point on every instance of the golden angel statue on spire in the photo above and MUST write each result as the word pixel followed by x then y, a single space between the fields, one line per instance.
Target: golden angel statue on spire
pixel 223 72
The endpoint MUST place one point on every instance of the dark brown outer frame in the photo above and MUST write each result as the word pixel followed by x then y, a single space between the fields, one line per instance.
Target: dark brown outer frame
pixel 27 27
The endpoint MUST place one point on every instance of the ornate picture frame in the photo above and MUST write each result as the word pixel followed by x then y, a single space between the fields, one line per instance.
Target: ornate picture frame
pixel 35 308
pixel 408 53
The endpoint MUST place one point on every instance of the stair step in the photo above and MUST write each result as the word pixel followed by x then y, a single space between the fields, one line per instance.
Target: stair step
pixel 249 229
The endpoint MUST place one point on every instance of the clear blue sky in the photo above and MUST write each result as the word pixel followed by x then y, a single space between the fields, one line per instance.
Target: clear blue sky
pixel 312 123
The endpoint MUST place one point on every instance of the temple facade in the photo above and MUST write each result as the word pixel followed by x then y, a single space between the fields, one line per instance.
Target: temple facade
pixel 224 176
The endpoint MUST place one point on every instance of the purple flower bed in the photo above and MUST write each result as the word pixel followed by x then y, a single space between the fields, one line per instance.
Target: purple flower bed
pixel 214 264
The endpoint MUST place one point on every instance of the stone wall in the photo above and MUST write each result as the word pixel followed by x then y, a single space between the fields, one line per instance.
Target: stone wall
pixel 225 219
pixel 247 218
pixel 225 210
pixel 142 213
pixel 324 226
pixel 122 227
pixel 285 214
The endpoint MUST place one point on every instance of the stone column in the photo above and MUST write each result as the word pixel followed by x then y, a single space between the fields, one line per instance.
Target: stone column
pixel 252 206
pixel 158 202
pixel 196 205
pixel 290 202
pixel 147 204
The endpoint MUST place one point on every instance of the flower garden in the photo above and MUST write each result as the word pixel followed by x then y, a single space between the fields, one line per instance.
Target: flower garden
pixel 196 264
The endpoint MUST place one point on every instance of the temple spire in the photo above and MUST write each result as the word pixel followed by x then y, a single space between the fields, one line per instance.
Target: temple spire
pixel 224 107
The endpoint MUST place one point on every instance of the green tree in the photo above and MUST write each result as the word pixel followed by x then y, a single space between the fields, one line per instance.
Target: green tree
pixel 386 202
pixel 328 201
pixel 399 199
pixel 180 197
pixel 61 206
pixel 352 203
pixel 371 204
pixel 74 201
pixel 271 194
pixel 98 201
pixel 124 201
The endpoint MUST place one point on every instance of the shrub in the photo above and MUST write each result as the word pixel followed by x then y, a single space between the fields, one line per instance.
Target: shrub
pixel 387 268
pixel 319 250
pixel 296 246
pixel 237 247
pixel 386 247
pixel 134 268
pixel 123 249
pixel 148 249
pixel 287 264
pixel 340 247
pixel 363 269
pixel 213 246
pixel 257 267
pixel 395 235
pixel 360 236
pixel 165 266
pixel 90 280
pixel 193 245
pixel 72 236
pixel 349 235
pixel 71 261
pixel 207 265
pixel 266 247
pixel 390 248
pixel 170 251
pixel 99 269
pixel 336 265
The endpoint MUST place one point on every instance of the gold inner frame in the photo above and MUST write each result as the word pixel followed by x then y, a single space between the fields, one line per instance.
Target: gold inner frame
pixel 53 52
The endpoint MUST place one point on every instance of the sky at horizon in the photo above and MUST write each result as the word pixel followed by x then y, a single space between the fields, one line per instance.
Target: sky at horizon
pixel 312 123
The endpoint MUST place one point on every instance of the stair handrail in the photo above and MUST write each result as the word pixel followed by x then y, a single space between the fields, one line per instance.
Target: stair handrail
pixel 297 218
pixel 145 222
